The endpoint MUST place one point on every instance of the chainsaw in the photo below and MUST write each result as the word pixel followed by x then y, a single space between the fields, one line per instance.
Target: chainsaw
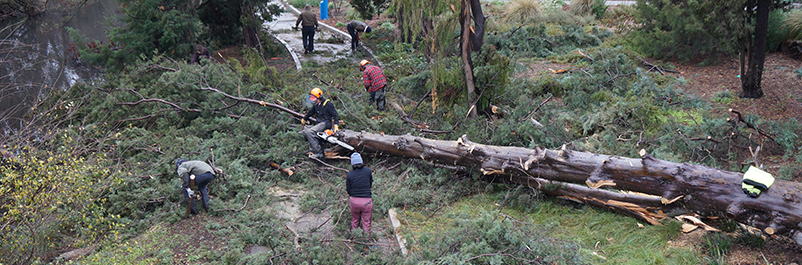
pixel 329 137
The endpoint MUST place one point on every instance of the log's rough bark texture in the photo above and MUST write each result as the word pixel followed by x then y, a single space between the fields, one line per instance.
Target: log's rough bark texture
pixel 646 188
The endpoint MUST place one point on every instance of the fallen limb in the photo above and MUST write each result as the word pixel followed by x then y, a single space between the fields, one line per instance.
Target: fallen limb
pixel 406 118
pixel 740 118
pixel 655 67
pixel 295 239
pixel 285 170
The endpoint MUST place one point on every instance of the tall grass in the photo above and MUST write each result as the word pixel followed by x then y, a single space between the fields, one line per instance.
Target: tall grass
pixel 794 24
pixel 523 11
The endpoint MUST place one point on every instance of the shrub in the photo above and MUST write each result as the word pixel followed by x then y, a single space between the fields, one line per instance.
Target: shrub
pixel 670 30
pixel 367 8
pixel 794 24
pixel 777 32
pixel 523 12
pixel 52 198
pixel 589 7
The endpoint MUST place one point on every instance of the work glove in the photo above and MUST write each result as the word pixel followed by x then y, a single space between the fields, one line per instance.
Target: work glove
pixel 335 129
pixel 190 192
pixel 303 122
pixel 750 190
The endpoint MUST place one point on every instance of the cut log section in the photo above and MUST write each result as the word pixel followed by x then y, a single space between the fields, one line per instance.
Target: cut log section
pixel 655 188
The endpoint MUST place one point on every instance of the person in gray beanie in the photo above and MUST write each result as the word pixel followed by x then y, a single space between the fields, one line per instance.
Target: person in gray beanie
pixel 358 183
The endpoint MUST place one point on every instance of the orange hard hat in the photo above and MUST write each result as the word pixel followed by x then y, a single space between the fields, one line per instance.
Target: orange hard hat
pixel 363 62
pixel 316 92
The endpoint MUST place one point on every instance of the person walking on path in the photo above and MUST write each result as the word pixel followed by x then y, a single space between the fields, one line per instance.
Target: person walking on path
pixel 358 183
pixel 375 82
pixel 326 116
pixel 354 28
pixel 203 175
pixel 308 21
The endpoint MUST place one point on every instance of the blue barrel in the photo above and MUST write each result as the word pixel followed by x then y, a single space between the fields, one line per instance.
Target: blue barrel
pixel 324 9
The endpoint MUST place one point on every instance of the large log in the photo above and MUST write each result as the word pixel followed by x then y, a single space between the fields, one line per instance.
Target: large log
pixel 646 188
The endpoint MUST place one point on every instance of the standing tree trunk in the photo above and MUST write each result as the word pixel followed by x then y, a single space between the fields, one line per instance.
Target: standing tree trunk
pixel 471 40
pixel 662 188
pixel 465 48
pixel 249 31
pixel 750 82
pixel 477 35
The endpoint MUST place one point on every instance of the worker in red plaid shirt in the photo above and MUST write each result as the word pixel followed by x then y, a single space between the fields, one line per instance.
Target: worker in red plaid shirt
pixel 375 82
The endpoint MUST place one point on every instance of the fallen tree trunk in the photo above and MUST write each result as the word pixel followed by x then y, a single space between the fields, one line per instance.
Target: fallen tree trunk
pixel 647 188
pixel 652 188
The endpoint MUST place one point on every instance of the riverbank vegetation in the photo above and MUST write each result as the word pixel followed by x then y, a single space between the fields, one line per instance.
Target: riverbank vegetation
pixel 98 170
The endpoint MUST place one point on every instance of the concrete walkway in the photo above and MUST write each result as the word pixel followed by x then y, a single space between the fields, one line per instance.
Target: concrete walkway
pixel 331 44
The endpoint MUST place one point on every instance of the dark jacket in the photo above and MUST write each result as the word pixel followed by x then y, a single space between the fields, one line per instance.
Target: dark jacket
pixel 307 19
pixel 358 25
pixel 193 167
pixel 324 112
pixel 358 182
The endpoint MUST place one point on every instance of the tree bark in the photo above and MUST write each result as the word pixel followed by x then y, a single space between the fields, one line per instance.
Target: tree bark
pixel 657 188
pixel 477 36
pixel 750 83
pixel 465 47
pixel 249 31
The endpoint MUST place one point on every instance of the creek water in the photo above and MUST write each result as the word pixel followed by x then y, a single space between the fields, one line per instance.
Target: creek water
pixel 36 54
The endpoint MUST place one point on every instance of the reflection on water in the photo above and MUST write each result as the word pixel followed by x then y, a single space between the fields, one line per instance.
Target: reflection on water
pixel 35 55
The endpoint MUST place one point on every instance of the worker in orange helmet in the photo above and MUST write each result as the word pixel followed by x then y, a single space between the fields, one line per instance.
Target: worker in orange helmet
pixel 326 116
pixel 375 82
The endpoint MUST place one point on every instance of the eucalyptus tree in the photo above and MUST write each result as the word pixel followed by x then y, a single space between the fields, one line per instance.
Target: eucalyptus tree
pixel 433 25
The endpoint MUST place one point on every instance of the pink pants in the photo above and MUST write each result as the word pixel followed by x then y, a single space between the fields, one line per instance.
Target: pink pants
pixel 361 208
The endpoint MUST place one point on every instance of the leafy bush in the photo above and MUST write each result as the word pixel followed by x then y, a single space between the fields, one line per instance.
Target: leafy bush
pixel 367 8
pixel 48 194
pixel 599 7
pixel 670 30
pixel 777 32
pixel 222 18
pixel 151 27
